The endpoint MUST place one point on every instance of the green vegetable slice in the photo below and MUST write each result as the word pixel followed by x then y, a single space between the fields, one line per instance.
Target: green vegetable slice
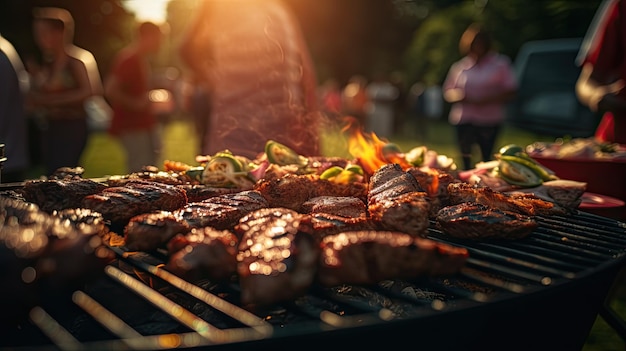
pixel 530 163
pixel 512 150
pixel 355 169
pixel 518 174
pixel 331 172
pixel 282 155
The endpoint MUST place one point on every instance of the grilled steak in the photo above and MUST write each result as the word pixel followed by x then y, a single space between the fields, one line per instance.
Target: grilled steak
pixel 367 257
pixel 43 252
pixel 292 191
pixel 199 192
pixel 478 221
pixel 203 253
pixel 56 195
pixel 120 204
pixel 540 206
pixel 323 224
pixel 465 192
pixel 343 206
pixel 435 183
pixel 171 178
pixel 221 212
pixel 150 231
pixel 397 202
pixel 276 260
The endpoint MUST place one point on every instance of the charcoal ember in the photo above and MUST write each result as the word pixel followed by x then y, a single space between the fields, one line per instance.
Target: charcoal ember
pixel 120 204
pixel 203 253
pixel 368 257
pixel 56 195
pixel 150 231
pixel 276 260
pixel 478 221
pixel 344 206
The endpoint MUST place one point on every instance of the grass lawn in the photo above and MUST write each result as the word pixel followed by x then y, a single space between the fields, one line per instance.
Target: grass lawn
pixel 104 156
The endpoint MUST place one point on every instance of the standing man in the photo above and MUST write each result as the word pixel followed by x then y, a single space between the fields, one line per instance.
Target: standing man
pixel 127 89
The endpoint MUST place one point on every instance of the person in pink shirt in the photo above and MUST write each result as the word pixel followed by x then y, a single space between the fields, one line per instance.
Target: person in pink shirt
pixel 478 86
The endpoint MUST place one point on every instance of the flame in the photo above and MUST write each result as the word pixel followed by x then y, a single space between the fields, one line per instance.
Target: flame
pixel 369 150
pixel 433 186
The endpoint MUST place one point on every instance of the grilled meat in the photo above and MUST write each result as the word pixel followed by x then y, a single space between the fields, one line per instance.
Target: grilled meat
pixel 435 183
pixel 171 178
pixel 67 173
pixel 343 206
pixel 221 212
pixel 323 224
pixel 203 253
pixel 465 192
pixel 397 202
pixel 291 191
pixel 45 252
pixel 150 231
pixel 478 221
pixel 540 206
pixel 120 204
pixel 367 257
pixel 276 260
pixel 56 195
pixel 199 192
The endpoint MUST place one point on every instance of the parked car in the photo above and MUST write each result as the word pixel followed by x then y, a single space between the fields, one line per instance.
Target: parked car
pixel 546 102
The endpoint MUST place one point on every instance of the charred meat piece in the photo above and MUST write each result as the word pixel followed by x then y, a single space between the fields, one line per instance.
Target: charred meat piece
pixel 478 221
pixel 203 253
pixel 343 206
pixel 291 191
pixel 540 206
pixel 435 183
pixel 120 204
pixel 82 219
pixel 150 231
pixel 171 178
pixel 276 260
pixel 221 212
pixel 199 192
pixel 367 257
pixel 323 224
pixel 47 253
pixel 465 192
pixel 67 173
pixel 397 202
pixel 56 195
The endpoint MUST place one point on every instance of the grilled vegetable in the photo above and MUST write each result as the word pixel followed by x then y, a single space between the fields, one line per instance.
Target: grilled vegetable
pixel 282 155
pixel 517 174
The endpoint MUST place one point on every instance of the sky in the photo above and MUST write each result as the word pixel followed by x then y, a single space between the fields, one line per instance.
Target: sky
pixel 147 10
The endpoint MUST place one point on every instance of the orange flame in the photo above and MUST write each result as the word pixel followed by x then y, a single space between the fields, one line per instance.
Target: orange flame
pixel 369 150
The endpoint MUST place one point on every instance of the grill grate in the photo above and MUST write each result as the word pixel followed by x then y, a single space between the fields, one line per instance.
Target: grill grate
pixel 168 312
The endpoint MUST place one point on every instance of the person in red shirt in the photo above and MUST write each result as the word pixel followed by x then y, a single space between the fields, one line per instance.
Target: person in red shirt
pixel 127 89
pixel 601 82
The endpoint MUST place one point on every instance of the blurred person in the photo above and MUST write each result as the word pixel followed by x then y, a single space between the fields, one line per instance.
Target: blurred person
pixel 381 106
pixel 478 86
pixel 416 109
pixel 127 88
pixel 601 82
pixel 14 84
pixel 354 98
pixel 263 84
pixel 61 85
pixel 330 98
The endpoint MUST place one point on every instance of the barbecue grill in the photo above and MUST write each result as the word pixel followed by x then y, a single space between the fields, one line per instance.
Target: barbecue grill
pixel 540 292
